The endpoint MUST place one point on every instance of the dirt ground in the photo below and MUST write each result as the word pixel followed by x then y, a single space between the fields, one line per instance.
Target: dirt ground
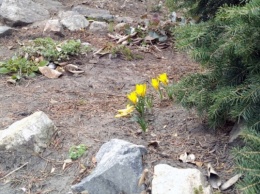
pixel 83 109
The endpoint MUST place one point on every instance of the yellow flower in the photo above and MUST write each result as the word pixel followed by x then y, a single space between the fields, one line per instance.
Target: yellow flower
pixel 124 112
pixel 155 83
pixel 163 78
pixel 132 97
pixel 140 89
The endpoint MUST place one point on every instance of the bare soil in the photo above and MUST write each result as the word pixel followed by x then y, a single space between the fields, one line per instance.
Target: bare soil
pixel 83 109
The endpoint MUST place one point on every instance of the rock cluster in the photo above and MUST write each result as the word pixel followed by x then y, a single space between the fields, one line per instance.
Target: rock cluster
pixel 14 13
pixel 119 163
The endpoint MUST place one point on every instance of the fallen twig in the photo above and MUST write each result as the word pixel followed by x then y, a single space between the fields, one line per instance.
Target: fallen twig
pixel 14 171
pixel 126 37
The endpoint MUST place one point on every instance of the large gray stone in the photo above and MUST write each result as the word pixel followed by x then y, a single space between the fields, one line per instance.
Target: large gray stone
pixel 51 5
pixel 53 27
pixel 73 20
pixel 22 12
pixel 5 30
pixel 32 133
pixel 99 14
pixel 119 167
pixel 169 180
pixel 96 26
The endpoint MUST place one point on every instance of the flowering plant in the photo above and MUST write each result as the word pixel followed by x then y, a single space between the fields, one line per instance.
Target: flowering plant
pixel 141 102
pixel 160 82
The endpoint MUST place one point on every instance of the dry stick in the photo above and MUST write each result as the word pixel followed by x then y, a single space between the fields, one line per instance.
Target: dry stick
pixel 126 37
pixel 14 171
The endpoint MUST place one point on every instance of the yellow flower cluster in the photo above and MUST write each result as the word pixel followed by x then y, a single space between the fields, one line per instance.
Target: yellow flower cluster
pixel 140 91
pixel 163 78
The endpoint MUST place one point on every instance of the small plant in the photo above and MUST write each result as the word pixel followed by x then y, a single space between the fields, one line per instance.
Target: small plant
pixel 111 27
pixel 20 67
pixel 33 56
pixel 124 51
pixel 157 7
pixel 198 190
pixel 52 50
pixel 77 151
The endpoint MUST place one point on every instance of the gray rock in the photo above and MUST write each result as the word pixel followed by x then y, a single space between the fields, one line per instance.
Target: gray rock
pixel 169 180
pixel 119 167
pixel 32 133
pixel 22 12
pixel 96 26
pixel 51 5
pixel 99 14
pixel 73 20
pixel 5 30
pixel 53 27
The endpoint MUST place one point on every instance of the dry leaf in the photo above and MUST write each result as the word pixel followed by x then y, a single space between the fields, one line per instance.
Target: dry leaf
pixel 187 158
pixel 94 160
pixel 52 170
pixel 154 143
pixel 143 177
pixel 230 182
pixel 50 73
pixel 73 69
pixel 11 81
pixel 58 49
pixel 199 164
pixel 60 69
pixel 63 64
pixel 64 165
pixel 53 101
pixel 67 161
pixel 144 16
pixel 214 179
pixel 82 166
pixel 82 170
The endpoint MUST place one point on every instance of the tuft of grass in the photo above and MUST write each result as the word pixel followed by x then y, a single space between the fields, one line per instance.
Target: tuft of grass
pixel 125 52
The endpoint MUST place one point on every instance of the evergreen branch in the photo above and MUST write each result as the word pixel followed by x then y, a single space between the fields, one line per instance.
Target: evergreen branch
pixel 249 170
pixel 249 186
pixel 248 157
pixel 251 137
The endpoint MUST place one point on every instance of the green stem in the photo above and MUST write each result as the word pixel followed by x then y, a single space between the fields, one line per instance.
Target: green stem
pixel 160 93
